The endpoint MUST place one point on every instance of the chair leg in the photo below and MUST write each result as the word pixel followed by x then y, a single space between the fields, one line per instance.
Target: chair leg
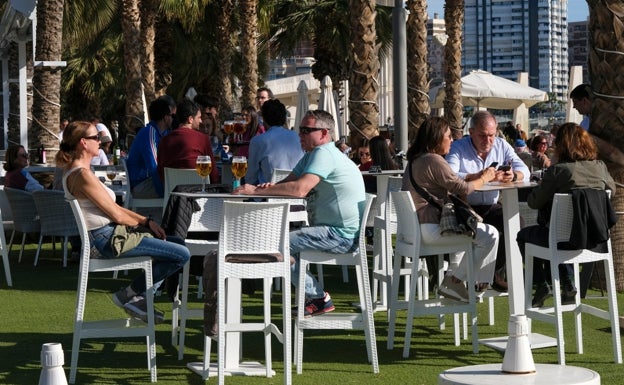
pixel 182 313
pixel 22 247
pixel 394 299
pixel 38 250
pixel 613 311
pixel 267 321
pixel 11 242
pixel 554 273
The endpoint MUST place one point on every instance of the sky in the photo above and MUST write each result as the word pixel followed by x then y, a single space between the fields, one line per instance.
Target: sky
pixel 577 9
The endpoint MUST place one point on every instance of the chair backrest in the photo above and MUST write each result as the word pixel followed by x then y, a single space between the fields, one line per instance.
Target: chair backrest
pixel 279 174
pixel 562 218
pixel 364 208
pixel 55 213
pixel 25 216
pixel 7 215
pixel 408 227
pixel 85 247
pixel 177 176
pixel 254 228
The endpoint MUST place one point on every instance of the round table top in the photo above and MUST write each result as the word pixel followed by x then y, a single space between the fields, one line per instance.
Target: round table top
pixel 546 374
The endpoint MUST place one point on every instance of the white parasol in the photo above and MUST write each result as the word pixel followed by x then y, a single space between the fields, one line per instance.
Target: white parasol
pixel 302 103
pixel 327 102
pixel 482 89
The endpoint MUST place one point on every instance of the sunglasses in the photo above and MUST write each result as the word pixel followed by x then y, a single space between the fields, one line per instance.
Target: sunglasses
pixel 23 155
pixel 93 137
pixel 307 130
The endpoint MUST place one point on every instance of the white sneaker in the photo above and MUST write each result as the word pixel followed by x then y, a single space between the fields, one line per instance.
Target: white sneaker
pixel 454 290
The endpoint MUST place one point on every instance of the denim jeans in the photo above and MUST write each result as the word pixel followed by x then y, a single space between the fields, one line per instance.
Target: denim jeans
pixel 167 256
pixel 322 238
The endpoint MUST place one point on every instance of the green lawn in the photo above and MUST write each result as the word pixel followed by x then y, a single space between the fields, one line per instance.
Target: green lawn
pixel 40 308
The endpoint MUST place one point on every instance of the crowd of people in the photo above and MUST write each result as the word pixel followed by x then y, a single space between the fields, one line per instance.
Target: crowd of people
pixel 328 174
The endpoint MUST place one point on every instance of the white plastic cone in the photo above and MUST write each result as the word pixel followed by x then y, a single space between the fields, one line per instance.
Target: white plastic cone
pixel 518 357
pixel 52 360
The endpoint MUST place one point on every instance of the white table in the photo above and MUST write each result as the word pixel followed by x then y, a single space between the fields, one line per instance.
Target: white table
pixel 233 351
pixel 515 275
pixel 546 374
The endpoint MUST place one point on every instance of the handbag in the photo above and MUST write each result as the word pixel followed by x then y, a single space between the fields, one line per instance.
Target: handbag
pixel 456 216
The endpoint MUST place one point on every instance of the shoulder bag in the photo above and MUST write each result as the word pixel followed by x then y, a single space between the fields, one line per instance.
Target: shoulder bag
pixel 456 216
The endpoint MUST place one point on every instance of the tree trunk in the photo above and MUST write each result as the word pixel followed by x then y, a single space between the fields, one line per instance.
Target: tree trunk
pixel 606 26
pixel 149 15
pixel 249 51
pixel 131 27
pixel 364 78
pixel 453 20
pixel 417 68
pixel 46 109
pixel 224 44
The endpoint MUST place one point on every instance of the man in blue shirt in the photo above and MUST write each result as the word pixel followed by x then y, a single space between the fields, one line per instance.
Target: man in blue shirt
pixel 142 158
pixel 277 148
pixel 334 189
pixel 471 155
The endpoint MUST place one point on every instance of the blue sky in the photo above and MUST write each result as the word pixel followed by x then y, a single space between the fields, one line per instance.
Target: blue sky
pixel 577 9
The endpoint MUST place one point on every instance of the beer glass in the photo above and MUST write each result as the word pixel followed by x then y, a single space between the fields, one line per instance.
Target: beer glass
pixel 203 166
pixel 111 173
pixel 239 169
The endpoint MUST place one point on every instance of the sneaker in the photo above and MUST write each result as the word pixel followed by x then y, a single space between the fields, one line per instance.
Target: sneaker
pixel 318 306
pixel 120 298
pixel 454 290
pixel 137 308
pixel 541 294
pixel 569 290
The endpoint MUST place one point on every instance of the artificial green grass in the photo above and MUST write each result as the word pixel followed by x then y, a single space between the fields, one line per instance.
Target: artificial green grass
pixel 40 309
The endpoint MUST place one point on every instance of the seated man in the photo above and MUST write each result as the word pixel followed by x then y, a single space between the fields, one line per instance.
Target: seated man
pixel 334 188
pixel 471 155
pixel 142 158
pixel 277 148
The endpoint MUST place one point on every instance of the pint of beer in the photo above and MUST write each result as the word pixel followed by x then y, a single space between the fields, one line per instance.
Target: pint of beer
pixel 239 166
pixel 203 167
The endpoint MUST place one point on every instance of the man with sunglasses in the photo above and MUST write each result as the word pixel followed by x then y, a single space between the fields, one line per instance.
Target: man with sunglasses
pixel 277 148
pixel 333 187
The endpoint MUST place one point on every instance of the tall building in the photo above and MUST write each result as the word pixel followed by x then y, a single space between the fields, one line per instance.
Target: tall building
pixel 578 43
pixel 506 37
pixel 436 40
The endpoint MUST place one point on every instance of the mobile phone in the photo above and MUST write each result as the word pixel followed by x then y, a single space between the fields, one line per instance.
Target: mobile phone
pixel 494 164
pixel 505 167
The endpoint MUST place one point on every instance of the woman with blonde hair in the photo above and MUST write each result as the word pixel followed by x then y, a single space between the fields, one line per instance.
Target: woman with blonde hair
pixel 107 221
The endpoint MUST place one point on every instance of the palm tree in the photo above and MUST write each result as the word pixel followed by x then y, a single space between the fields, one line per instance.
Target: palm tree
pixel 132 48
pixel 46 109
pixel 225 51
pixel 149 16
pixel 453 20
pixel 605 68
pixel 363 79
pixel 249 51
pixel 417 74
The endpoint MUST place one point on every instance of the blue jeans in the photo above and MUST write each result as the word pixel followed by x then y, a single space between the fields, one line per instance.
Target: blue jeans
pixel 167 256
pixel 322 238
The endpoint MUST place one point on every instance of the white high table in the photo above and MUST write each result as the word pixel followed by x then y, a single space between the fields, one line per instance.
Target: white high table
pixel 491 374
pixel 515 275
pixel 233 351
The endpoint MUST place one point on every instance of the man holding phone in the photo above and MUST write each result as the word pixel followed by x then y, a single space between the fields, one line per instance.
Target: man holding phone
pixel 469 157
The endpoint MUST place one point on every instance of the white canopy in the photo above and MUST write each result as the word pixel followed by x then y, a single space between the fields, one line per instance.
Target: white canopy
pixel 482 89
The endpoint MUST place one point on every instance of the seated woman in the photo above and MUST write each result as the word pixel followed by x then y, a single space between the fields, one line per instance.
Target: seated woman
pixel 102 215
pixel 16 160
pixel 539 146
pixel 577 167
pixel 431 172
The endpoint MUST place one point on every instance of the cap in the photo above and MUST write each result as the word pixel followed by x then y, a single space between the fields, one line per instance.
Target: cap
pixel 105 139
pixel 519 143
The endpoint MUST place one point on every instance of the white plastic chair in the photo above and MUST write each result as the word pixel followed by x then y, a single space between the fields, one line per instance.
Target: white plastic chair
pixel 25 216
pixel 5 253
pixel 248 229
pixel 56 218
pixel 208 219
pixel 562 216
pixel 111 328
pixel 409 245
pixel 334 320
pixel 177 176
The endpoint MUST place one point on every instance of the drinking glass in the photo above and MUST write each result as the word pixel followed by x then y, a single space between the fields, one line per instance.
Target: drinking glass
pixel 203 166
pixel 111 173
pixel 239 169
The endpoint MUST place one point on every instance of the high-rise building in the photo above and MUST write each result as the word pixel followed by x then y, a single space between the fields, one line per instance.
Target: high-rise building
pixel 436 40
pixel 506 37
pixel 578 43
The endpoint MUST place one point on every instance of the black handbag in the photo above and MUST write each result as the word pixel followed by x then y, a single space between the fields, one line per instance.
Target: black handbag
pixel 456 216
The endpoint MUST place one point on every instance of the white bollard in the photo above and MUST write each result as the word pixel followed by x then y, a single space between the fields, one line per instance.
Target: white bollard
pixel 518 357
pixel 52 360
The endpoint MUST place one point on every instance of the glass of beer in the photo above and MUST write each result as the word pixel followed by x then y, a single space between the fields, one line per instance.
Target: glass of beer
pixel 203 166
pixel 228 129
pixel 111 173
pixel 239 169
